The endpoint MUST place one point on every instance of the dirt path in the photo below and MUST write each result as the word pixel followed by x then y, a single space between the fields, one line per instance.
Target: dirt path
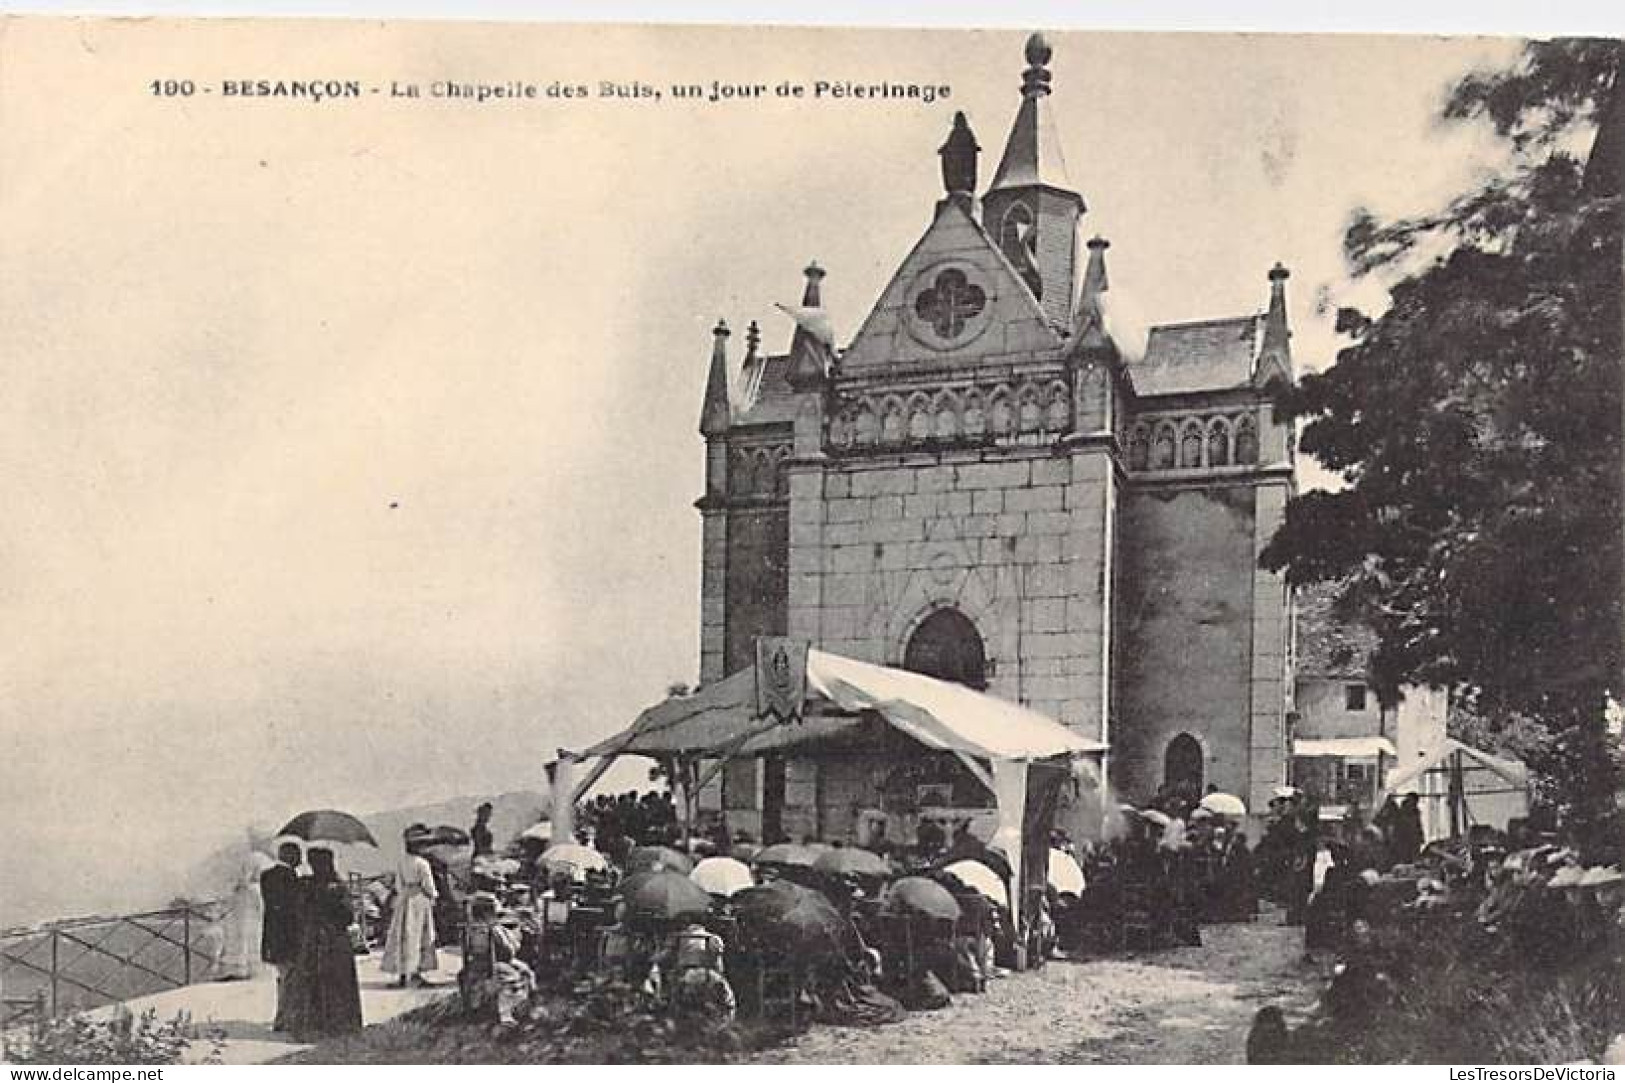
pixel 1182 1006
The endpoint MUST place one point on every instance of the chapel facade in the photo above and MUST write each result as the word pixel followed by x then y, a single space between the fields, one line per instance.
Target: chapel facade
pixel 986 486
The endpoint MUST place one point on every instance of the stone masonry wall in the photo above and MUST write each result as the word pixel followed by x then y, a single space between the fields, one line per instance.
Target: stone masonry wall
pixel 1186 634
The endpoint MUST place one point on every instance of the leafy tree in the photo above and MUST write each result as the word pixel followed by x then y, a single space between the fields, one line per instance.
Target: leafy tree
pixel 1476 423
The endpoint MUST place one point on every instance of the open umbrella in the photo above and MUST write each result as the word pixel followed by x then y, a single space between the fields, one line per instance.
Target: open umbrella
pixel 662 897
pixel 926 898
pixel 722 876
pixel 980 879
pixel 782 918
pixel 1065 874
pixel 1224 804
pixel 788 853
pixel 852 861
pixel 745 851
pixel 542 831
pixel 651 858
pixel 574 859
pixel 328 825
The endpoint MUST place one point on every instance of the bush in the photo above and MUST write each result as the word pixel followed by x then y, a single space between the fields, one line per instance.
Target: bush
pixel 119 1038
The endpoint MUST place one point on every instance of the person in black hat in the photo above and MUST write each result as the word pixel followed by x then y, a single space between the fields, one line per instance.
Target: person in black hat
pixel 480 833
pixel 279 937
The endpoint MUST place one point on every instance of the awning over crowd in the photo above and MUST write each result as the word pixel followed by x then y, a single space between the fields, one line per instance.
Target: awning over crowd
pixel 1458 786
pixel 1347 748
pixel 841 693
pixel 833 697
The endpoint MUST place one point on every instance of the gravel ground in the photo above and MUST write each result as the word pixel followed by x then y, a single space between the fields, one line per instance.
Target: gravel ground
pixel 1181 1006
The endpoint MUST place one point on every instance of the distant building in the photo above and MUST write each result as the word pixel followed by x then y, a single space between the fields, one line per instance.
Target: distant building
pixel 1345 743
pixel 984 487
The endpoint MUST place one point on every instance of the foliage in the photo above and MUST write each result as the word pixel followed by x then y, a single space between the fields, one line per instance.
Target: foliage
pixel 598 1021
pixel 119 1038
pixel 1457 995
pixel 1476 423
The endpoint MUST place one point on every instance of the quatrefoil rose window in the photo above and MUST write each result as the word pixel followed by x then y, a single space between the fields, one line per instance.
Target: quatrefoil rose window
pixel 950 304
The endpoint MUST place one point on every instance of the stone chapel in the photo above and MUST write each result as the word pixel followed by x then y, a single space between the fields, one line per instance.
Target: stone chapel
pixel 983 487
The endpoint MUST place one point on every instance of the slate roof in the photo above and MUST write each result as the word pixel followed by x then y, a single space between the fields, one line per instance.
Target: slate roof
pixel 763 396
pixel 1210 355
pixel 1329 646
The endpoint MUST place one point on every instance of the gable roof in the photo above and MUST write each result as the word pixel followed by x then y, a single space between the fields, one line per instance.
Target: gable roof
pixel 763 396
pixel 1015 322
pixel 1328 645
pixel 1208 355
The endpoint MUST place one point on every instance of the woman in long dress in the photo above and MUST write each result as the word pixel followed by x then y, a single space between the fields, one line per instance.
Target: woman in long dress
pixel 245 916
pixel 325 994
pixel 410 949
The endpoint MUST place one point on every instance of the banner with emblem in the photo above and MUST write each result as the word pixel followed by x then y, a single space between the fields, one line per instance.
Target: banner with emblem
pixel 781 678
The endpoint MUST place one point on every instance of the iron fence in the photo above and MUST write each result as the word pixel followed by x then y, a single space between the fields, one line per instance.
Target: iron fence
pixel 89 962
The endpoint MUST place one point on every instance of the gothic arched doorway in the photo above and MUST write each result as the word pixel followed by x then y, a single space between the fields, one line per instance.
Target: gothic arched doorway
pixel 1182 764
pixel 947 646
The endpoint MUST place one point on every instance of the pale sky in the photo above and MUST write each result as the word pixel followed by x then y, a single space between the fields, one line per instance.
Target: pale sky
pixel 348 451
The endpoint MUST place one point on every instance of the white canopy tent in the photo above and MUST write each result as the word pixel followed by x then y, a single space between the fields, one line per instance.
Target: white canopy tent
pixel 1458 786
pixel 997 741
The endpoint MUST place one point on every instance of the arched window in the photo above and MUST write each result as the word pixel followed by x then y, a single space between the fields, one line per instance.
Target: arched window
pixel 1246 441
pixel 947 646
pixel 1182 764
pixel 1218 443
pixel 1190 446
pixel 1139 448
pixel 1162 449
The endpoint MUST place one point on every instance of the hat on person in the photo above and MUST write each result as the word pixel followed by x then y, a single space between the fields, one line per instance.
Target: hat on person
pixel 1286 793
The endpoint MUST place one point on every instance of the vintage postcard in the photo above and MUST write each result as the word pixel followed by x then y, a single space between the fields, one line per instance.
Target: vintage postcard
pixel 624 543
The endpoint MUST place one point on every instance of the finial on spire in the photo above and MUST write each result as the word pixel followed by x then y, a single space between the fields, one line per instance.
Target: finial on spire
pixel 1035 80
pixel 959 158
pixel 716 412
pixel 815 275
pixel 753 339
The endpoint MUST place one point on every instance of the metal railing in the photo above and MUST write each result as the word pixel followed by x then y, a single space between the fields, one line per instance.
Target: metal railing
pixel 89 962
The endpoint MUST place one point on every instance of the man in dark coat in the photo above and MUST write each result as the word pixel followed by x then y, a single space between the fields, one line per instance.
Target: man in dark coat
pixel 279 940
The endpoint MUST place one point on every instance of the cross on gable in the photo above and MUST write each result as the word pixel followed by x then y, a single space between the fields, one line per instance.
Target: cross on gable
pixel 950 303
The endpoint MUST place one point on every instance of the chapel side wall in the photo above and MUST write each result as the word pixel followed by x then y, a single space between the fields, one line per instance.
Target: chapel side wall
pixel 1016 543
pixel 756 581
pixel 1185 625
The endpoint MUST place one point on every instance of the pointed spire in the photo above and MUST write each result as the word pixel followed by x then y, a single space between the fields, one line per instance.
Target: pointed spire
pixel 1032 155
pixel 813 344
pixel 959 160
pixel 1090 330
pixel 1276 332
pixel 716 414
pixel 1275 349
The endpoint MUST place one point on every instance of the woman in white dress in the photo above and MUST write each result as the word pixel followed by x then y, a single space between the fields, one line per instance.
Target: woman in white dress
pixel 409 951
pixel 245 913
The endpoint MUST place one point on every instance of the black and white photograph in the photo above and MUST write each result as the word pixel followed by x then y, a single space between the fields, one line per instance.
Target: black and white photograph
pixel 576 544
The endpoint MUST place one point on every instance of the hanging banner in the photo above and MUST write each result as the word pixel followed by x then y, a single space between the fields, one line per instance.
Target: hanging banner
pixel 781 678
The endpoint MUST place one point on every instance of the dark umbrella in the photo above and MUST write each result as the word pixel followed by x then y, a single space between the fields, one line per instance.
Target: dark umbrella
pixel 991 858
pixel 661 897
pixel 446 835
pixel 926 898
pixel 655 858
pixel 788 919
pixel 328 825
pixel 788 853
pixel 852 861
pixel 745 851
